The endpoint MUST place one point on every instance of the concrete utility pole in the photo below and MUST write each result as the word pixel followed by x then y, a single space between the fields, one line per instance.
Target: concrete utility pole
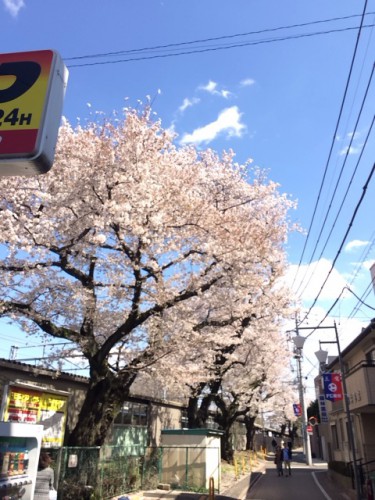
pixel 351 439
pixel 298 342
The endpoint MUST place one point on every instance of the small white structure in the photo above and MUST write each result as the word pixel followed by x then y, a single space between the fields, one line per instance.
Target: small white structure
pixel 190 458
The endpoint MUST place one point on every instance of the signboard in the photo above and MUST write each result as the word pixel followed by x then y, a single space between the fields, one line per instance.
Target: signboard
pixel 24 405
pixel 32 87
pixel 297 409
pixel 332 386
pixel 323 409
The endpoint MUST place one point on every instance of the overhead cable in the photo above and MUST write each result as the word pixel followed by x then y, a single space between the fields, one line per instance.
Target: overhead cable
pixel 364 189
pixel 340 208
pixel 333 140
pixel 212 39
pixel 223 47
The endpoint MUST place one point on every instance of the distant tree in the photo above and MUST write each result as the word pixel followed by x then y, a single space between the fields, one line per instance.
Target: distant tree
pixel 244 379
pixel 313 410
pixel 116 248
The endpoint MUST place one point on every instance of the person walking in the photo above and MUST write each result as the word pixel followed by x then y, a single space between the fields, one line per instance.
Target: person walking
pixel 279 460
pixel 44 478
pixel 286 459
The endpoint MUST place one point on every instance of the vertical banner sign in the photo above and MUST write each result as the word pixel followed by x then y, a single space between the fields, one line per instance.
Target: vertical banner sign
pixel 332 386
pixel 323 409
pixel 38 407
pixel 32 86
pixel 297 409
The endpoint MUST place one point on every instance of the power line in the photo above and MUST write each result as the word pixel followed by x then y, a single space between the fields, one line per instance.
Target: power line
pixel 333 138
pixel 224 47
pixel 338 212
pixel 343 240
pixel 223 37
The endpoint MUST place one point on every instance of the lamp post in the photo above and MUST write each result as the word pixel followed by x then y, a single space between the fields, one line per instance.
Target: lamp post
pixel 322 358
pixel 298 343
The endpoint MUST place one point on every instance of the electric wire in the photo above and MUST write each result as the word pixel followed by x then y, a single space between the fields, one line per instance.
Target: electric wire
pixel 222 37
pixel 217 48
pixel 364 189
pixel 339 210
pixel 333 141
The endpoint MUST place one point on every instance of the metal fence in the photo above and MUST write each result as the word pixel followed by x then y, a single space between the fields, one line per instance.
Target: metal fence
pixel 98 473
pixel 102 473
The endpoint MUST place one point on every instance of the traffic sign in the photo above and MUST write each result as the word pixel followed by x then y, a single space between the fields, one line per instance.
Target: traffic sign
pixel 32 88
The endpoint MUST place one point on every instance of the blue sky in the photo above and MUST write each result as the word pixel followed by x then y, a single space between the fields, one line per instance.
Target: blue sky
pixel 273 96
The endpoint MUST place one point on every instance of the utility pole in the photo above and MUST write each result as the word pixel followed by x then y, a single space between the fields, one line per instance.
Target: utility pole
pixel 357 481
pixel 298 342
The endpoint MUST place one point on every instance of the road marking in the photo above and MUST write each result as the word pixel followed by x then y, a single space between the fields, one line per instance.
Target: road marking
pixel 320 486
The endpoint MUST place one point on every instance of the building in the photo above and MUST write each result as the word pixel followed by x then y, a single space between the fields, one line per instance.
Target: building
pixel 54 399
pixel 333 432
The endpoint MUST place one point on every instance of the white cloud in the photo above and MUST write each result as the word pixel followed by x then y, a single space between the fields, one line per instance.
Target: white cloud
pixel 351 151
pixel 355 135
pixel 310 280
pixel 13 6
pixel 211 88
pixel 187 103
pixel 228 121
pixel 247 82
pixel 354 244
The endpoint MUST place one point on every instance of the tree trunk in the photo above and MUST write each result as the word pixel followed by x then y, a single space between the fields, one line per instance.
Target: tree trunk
pixel 104 399
pixel 198 415
pixel 227 452
pixel 250 431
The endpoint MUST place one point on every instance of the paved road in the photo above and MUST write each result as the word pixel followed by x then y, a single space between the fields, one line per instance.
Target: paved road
pixel 302 484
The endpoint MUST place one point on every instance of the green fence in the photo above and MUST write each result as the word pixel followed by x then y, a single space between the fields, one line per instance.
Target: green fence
pixel 98 473
pixel 102 473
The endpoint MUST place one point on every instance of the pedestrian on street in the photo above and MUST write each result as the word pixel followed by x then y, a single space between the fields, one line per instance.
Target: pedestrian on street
pixel 286 459
pixel 279 460
pixel 274 444
pixel 44 478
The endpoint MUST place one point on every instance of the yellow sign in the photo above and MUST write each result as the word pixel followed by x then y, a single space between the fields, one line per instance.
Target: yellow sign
pixel 24 81
pixel 32 89
pixel 38 407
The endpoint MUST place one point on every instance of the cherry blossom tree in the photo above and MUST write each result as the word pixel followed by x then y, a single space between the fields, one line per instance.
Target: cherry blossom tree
pixel 116 248
pixel 246 379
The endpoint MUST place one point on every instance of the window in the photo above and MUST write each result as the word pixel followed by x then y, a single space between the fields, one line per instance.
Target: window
pixel 133 414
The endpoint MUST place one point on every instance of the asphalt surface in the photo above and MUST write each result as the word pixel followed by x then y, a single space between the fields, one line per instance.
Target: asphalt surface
pixel 305 483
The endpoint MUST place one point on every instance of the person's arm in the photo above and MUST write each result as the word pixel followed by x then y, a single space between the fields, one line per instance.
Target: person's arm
pixel 51 478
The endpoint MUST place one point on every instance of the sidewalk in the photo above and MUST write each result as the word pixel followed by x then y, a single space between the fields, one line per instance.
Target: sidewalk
pixel 241 489
pixel 238 489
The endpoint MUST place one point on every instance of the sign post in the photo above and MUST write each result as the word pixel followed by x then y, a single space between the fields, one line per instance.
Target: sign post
pixel 32 88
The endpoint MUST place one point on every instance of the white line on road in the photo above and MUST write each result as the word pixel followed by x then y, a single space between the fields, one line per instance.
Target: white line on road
pixel 320 486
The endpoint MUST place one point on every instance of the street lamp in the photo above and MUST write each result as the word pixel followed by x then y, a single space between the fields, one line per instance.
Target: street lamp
pixel 298 343
pixel 322 358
